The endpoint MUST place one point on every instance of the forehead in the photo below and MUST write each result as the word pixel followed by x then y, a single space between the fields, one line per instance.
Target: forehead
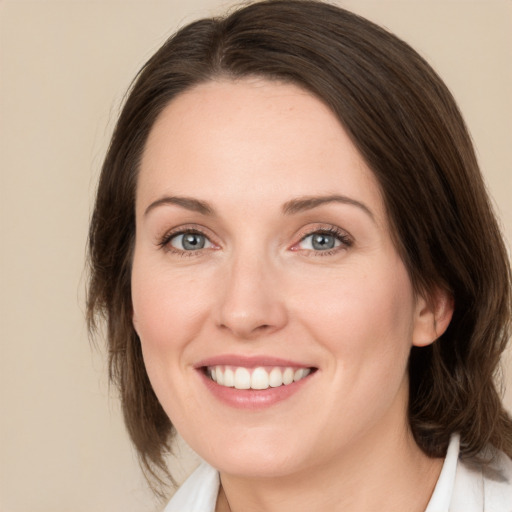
pixel 224 138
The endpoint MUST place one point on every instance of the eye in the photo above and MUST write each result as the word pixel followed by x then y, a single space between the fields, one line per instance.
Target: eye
pixel 189 241
pixel 327 241
pixel 319 242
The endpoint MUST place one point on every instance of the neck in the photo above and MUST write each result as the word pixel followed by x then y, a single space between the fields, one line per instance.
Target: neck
pixel 385 474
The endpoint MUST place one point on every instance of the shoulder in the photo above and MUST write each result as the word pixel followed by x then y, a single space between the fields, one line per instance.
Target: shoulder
pixel 198 493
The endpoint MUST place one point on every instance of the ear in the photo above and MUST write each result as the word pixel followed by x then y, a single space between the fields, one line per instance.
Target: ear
pixel 432 317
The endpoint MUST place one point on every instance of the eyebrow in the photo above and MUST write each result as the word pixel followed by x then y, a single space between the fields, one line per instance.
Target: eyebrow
pixel 309 202
pixel 289 208
pixel 189 203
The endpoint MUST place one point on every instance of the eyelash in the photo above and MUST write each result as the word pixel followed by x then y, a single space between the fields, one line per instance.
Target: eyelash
pixel 345 241
pixel 165 242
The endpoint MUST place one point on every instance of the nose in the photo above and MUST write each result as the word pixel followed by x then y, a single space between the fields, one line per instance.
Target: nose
pixel 252 303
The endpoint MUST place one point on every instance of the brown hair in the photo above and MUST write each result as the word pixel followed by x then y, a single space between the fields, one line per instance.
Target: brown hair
pixel 407 127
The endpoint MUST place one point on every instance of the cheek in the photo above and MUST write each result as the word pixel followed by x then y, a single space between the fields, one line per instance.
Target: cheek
pixel 168 313
pixel 362 315
pixel 168 310
pixel 171 310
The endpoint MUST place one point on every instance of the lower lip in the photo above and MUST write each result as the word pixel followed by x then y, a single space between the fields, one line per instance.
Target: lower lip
pixel 253 398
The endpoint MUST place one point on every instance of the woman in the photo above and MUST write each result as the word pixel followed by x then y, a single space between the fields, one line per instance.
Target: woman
pixel 301 272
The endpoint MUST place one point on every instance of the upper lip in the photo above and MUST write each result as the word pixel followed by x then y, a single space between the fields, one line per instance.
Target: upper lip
pixel 249 361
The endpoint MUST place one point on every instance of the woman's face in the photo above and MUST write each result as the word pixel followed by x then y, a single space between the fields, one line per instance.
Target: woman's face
pixel 263 254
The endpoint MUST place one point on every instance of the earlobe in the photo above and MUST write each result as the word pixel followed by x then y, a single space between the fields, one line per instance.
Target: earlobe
pixel 433 315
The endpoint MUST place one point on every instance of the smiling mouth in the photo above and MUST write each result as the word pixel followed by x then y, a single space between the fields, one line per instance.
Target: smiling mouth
pixel 259 378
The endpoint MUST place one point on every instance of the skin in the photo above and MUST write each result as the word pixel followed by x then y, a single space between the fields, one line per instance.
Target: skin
pixel 258 287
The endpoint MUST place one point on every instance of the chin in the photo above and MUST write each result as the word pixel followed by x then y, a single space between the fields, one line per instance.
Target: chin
pixel 262 466
pixel 256 457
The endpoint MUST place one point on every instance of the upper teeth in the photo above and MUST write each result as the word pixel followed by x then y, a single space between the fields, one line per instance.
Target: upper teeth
pixel 255 378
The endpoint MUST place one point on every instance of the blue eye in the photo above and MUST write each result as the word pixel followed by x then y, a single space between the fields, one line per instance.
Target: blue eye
pixel 325 241
pixel 190 241
pixel 320 242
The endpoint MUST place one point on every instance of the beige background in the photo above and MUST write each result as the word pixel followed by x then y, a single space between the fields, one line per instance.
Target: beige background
pixel 64 66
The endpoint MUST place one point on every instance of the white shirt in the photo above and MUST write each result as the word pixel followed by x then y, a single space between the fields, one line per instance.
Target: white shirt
pixel 461 487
